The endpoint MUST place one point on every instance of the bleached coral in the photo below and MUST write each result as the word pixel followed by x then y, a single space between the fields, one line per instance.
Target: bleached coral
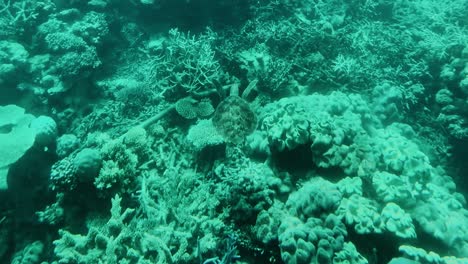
pixel 316 198
pixel 204 134
pixel 362 213
pixel 314 240
pixel 397 221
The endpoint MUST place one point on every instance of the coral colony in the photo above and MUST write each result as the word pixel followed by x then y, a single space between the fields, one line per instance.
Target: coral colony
pixel 233 131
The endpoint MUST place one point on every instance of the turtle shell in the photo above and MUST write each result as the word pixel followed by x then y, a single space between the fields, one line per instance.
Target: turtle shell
pixel 234 119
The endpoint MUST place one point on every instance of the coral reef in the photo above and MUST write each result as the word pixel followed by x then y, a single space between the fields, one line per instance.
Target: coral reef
pixel 222 132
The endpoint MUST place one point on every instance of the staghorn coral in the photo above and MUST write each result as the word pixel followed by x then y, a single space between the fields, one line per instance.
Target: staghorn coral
pixel 186 64
pixel 109 243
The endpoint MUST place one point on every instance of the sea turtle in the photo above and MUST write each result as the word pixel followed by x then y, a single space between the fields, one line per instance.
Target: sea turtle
pixel 233 118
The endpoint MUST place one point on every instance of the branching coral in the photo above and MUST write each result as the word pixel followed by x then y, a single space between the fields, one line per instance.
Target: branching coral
pixel 358 169
pixel 24 13
pixel 187 65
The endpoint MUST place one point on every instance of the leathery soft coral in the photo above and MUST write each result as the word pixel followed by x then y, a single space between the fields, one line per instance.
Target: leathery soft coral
pixel 329 124
pixel 287 127
pixel 313 241
pixel 406 187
